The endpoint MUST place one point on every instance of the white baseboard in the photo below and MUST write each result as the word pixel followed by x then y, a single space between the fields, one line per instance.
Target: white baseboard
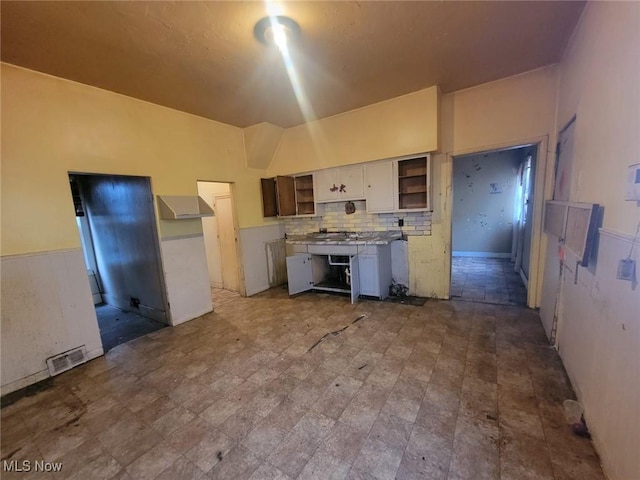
pixel 481 254
pixel 43 375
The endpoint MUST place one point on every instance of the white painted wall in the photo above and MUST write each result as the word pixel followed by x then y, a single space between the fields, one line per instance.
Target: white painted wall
pixel 599 325
pixel 46 309
pixel 253 243
pixel 186 277
pixel 207 190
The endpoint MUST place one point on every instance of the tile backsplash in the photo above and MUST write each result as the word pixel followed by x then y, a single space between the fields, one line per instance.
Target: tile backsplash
pixel 334 218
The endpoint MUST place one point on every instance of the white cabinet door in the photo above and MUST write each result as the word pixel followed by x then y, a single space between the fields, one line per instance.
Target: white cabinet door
pixel 299 273
pixel 352 178
pixel 379 187
pixel 369 281
pixel 324 182
pixel 355 278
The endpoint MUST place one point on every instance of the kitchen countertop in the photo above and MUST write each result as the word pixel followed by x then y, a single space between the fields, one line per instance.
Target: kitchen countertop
pixel 345 238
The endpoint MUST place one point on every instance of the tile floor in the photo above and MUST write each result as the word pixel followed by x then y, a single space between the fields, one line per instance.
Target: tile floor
pixel 220 296
pixel 451 390
pixel 117 326
pixel 487 280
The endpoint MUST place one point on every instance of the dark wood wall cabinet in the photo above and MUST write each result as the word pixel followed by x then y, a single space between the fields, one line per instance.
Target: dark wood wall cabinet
pixel 285 196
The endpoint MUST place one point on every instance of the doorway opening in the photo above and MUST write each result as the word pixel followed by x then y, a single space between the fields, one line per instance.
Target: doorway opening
pixel 117 225
pixel 492 225
pixel 221 241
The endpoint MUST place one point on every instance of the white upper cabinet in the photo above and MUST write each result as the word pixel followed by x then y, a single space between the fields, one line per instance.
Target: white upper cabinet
pixel 351 180
pixel 326 183
pixel 379 187
pixel 337 184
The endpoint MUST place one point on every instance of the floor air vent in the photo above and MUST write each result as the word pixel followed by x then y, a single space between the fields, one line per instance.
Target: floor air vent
pixel 66 360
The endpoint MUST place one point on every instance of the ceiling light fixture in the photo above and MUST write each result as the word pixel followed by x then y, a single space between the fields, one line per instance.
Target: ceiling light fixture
pixel 276 30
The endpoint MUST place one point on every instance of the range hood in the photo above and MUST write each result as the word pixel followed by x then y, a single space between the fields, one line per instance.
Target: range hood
pixel 182 207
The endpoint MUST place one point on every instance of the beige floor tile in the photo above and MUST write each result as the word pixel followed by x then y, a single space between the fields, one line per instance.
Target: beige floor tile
pixel 455 390
pixel 154 462
pixel 343 442
pixel 264 439
pixel 188 435
pixel 239 464
pixel 418 467
pixel 182 469
pixel 324 466
pixel 392 430
pixel 212 449
pixel 378 459
pixel 337 396
pixel 268 472
pixel 524 458
pixel 292 454
pixel 139 444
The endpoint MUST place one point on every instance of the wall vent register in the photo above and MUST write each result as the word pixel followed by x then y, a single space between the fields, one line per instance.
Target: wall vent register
pixel 66 360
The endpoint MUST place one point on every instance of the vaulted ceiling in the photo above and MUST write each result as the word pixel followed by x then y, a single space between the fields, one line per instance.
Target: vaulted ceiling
pixel 202 57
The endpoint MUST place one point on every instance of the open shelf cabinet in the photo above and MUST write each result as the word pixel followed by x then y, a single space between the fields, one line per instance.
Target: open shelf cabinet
pixel 413 183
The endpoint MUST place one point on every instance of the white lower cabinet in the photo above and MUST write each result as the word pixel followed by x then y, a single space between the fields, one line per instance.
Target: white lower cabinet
pixel 375 271
pixel 369 275
pixel 299 273
pixel 327 272
pixel 339 269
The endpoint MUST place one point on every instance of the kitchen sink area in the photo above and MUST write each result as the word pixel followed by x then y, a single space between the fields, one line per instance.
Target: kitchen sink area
pixel 354 263
pixel 345 237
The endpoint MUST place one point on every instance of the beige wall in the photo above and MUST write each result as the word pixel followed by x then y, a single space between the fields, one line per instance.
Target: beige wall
pixel 599 326
pixel 514 111
pixel 399 126
pixel 599 83
pixel 51 126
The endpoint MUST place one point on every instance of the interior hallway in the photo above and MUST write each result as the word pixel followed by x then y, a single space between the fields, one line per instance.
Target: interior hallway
pixel 451 390
pixel 486 280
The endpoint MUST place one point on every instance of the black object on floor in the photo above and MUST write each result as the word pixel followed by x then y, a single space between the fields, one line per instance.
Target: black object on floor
pixel 118 326
pixel 407 300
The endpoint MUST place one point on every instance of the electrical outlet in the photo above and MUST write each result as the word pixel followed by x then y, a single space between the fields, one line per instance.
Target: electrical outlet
pixel 626 270
pixel 401 222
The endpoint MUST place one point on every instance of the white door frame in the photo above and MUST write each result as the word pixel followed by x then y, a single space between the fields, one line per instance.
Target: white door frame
pixel 538 241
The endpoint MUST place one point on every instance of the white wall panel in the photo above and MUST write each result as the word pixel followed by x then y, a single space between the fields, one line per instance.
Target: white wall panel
pixel 599 342
pixel 254 255
pixel 47 308
pixel 186 277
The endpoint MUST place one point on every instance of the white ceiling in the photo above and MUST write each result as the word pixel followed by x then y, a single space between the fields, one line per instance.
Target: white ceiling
pixel 202 58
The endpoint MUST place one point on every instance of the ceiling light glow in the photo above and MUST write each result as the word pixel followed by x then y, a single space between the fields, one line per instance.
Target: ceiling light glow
pixel 279 34
pixel 276 30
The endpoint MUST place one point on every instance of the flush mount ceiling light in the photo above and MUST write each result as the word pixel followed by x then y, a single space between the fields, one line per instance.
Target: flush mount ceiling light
pixel 276 30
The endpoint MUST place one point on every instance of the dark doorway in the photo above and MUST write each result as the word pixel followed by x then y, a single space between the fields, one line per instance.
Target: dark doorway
pixel 116 220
